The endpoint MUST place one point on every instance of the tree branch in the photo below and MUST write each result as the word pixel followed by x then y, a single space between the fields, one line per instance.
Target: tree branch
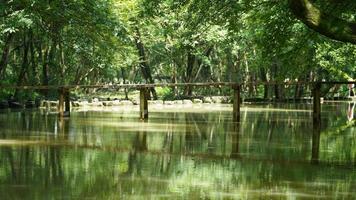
pixel 323 23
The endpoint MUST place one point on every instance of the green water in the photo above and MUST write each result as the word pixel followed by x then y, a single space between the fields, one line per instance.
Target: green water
pixel 179 153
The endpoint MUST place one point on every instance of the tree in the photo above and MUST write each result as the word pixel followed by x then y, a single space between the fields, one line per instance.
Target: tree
pixel 324 23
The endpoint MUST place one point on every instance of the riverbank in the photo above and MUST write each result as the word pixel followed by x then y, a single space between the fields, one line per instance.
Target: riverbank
pixel 112 102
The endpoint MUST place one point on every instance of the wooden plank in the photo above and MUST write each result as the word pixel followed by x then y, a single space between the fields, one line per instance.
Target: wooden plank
pixel 143 103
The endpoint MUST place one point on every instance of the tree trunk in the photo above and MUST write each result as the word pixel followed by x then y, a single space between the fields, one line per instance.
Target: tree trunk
pixel 145 68
pixel 123 74
pixel 34 74
pixel 323 23
pixel 188 90
pixel 5 54
pixel 263 75
pixel 24 66
pixel 230 65
pixel 174 79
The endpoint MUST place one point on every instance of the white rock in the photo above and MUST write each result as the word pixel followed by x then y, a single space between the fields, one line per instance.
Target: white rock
pixel 126 103
pixel 179 102
pixel 75 104
pixel 197 101
pixel 186 101
pixel 116 103
pixel 151 102
pixel 169 102
pixel 83 103
pixel 53 103
pixel 207 100
pixel 159 102
pixel 108 103
pixel 216 99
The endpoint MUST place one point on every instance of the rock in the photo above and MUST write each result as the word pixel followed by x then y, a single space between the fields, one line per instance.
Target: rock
pixel 226 99
pixel 53 103
pixel 134 102
pixel 151 102
pixel 4 104
pixel 187 102
pixel 155 102
pixel 102 99
pixel 30 104
pixel 159 102
pixel 126 103
pixel 220 99
pixel 197 101
pixel 116 103
pixel 216 99
pixel 75 104
pixel 83 103
pixel 95 100
pixel 108 103
pixel 14 104
pixel 179 102
pixel 168 102
pixel 207 100
pixel 96 104
pixel 83 100
pixel 43 103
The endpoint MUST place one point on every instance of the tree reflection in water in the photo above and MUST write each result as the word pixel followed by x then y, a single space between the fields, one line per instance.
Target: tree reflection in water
pixel 103 155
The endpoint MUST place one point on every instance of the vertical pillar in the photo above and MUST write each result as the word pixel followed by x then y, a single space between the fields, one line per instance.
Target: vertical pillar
pixel 61 102
pixel 64 102
pixel 316 123
pixel 143 103
pixel 235 140
pixel 67 102
pixel 316 104
pixel 236 103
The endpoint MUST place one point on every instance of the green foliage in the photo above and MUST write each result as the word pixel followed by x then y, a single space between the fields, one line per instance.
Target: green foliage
pixel 96 42
pixel 165 93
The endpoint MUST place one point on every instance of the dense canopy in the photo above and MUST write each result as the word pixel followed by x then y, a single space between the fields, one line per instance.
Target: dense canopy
pixel 145 41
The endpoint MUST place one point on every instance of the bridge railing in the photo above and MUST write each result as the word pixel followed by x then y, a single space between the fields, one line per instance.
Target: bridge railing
pixel 137 86
pixel 64 93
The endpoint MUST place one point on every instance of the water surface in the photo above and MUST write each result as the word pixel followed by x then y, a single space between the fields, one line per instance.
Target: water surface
pixel 179 153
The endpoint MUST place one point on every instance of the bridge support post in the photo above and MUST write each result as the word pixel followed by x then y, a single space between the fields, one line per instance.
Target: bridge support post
pixel 144 103
pixel 236 103
pixel 316 123
pixel 64 102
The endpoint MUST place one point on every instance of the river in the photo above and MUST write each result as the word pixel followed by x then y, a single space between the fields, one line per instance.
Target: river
pixel 180 152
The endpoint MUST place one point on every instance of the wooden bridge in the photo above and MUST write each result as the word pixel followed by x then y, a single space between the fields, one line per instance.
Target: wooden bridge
pixel 64 99
pixel 64 93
